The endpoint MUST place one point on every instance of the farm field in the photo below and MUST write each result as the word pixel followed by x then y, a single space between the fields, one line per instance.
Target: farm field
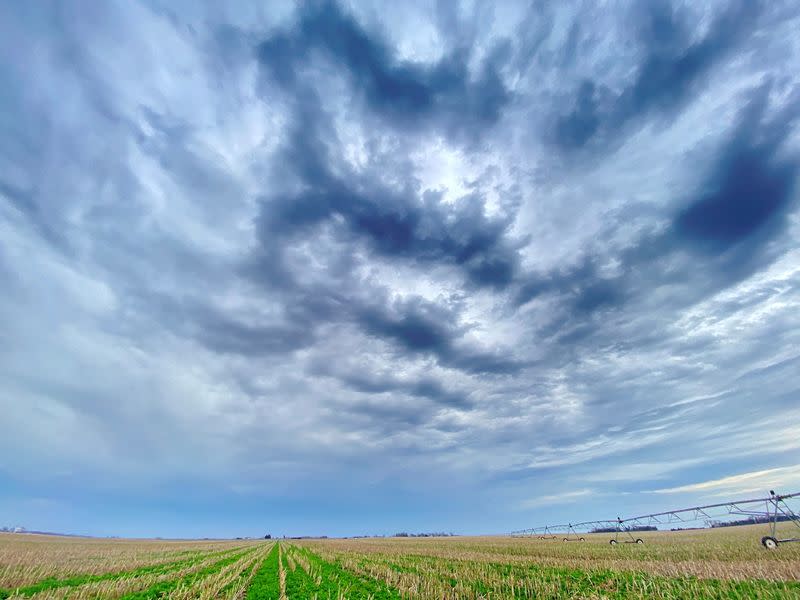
pixel 721 563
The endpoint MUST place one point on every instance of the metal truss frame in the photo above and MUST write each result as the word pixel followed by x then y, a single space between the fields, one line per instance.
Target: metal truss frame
pixel 768 509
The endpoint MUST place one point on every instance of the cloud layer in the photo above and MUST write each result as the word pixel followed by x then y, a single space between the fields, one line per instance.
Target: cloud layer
pixel 351 268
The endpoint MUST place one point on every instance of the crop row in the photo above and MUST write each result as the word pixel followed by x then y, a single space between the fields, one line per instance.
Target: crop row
pixel 309 576
pixel 228 582
pixel 164 588
pixel 438 577
pixel 143 583
pixel 299 574
pixel 320 570
pixel 292 573
pixel 79 580
pixel 265 585
pixel 237 586
pixel 26 560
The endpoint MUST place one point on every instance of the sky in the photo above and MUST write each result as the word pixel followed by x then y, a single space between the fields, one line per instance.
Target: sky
pixel 339 268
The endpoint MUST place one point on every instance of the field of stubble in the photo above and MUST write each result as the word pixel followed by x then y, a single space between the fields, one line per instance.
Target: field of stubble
pixel 723 563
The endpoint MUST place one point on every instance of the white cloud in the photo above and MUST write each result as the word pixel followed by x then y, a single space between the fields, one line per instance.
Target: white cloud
pixel 552 499
pixel 781 479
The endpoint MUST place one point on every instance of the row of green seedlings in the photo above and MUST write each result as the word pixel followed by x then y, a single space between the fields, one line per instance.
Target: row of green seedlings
pixel 237 587
pixel 266 583
pixel 50 583
pixel 432 577
pixel 226 583
pixel 309 576
pixel 208 580
pixel 290 573
pixel 17 576
pixel 143 583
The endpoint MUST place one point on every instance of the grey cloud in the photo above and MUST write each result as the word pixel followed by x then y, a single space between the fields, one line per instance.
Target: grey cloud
pixel 398 223
pixel 402 92
pixel 750 188
pixel 420 327
pixel 715 240
pixel 673 65
pixel 425 387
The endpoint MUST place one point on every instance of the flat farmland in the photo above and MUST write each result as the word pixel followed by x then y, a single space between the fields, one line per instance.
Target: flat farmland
pixel 720 563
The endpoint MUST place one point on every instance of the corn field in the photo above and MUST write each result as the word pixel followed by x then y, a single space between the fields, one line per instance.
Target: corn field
pixel 724 563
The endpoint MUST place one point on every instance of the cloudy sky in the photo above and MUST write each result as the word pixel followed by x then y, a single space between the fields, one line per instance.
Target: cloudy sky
pixel 349 268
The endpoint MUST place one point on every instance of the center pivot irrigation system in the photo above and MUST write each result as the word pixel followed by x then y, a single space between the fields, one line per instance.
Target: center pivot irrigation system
pixel 771 511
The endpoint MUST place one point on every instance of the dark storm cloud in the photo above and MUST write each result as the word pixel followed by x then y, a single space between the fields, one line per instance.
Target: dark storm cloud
pixel 732 225
pixel 401 224
pixel 225 334
pixel 402 228
pixel 372 384
pixel 423 388
pixel 417 326
pixel 582 288
pixel 673 67
pixel 719 236
pixel 750 188
pixel 424 328
pixel 404 93
pixel 578 127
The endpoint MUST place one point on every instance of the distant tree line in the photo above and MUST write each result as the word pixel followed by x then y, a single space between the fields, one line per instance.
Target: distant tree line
pixel 754 520
pixel 432 534
pixel 632 528
pixel 16 530
pixel 713 524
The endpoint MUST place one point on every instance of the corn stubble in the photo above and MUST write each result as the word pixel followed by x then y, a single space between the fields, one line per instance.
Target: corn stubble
pixel 726 563
pixel 721 563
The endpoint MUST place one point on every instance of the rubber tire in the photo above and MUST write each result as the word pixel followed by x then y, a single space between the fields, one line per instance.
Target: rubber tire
pixel 583 539
pixel 613 542
pixel 639 541
pixel 769 542
pixel 566 540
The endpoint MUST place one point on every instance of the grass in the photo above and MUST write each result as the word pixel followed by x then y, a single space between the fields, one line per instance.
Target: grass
pixel 720 564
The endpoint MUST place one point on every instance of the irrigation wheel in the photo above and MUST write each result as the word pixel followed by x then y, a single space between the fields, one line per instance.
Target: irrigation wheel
pixel 613 542
pixel 566 540
pixel 639 541
pixel 583 539
pixel 769 542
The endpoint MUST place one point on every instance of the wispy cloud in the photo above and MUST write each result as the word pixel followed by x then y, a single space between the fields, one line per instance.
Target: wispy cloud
pixel 549 500
pixel 782 479
pixel 636 472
